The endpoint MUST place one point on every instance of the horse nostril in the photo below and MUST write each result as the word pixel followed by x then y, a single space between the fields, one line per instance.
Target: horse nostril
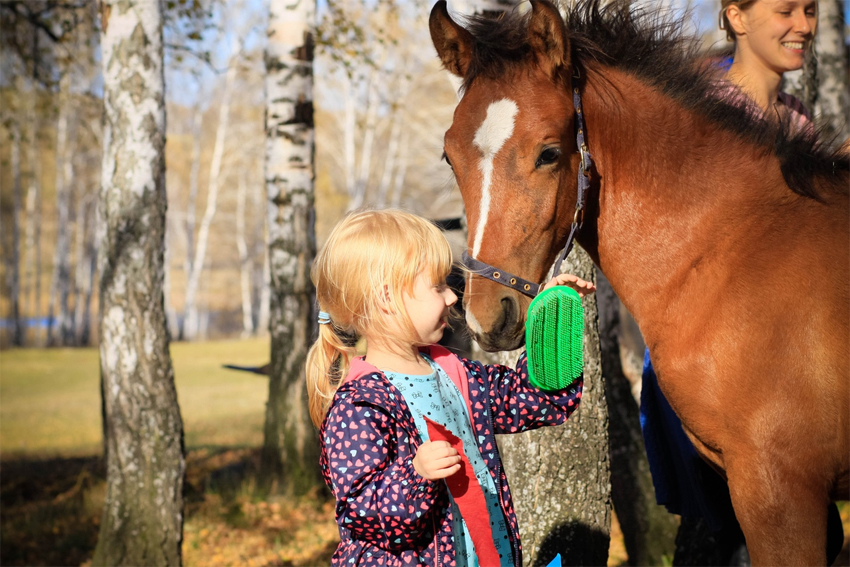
pixel 508 315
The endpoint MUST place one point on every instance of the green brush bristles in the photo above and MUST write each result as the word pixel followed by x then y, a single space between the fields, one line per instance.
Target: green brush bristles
pixel 553 338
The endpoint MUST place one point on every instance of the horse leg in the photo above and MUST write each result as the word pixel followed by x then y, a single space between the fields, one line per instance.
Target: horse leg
pixel 782 514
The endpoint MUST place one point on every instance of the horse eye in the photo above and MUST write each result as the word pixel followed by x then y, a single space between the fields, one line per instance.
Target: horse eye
pixel 548 156
pixel 445 157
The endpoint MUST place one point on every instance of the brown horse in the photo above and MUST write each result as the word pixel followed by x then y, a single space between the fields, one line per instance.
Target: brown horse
pixel 725 234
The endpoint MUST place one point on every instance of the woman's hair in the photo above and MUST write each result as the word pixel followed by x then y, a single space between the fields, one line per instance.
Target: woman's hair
pixel 724 19
pixel 370 259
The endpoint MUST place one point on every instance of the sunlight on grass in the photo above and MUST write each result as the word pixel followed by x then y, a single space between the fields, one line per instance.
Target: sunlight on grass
pixel 50 398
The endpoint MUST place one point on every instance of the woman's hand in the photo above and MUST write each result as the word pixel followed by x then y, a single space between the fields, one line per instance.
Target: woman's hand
pixel 436 459
pixel 582 287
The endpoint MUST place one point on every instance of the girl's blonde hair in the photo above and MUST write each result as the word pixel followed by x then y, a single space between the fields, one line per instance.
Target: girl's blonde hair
pixel 370 259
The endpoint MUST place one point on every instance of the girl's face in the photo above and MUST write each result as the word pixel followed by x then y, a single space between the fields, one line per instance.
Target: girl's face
pixel 428 307
pixel 777 32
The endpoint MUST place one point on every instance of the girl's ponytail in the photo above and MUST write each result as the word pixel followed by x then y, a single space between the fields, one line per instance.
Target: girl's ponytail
pixel 327 366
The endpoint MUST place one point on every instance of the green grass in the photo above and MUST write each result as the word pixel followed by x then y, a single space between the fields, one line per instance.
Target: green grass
pixel 50 398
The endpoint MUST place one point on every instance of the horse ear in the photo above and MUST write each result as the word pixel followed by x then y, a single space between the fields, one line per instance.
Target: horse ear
pixel 547 35
pixel 452 41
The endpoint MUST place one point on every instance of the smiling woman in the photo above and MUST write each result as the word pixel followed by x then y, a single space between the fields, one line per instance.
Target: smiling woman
pixel 771 38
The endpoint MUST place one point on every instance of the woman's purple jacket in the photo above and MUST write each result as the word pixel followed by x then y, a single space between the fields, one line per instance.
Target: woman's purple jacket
pixel 388 514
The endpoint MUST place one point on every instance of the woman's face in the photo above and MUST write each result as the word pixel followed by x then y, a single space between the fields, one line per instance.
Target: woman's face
pixel 777 32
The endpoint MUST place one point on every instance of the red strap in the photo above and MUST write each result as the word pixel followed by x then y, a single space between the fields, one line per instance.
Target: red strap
pixel 469 497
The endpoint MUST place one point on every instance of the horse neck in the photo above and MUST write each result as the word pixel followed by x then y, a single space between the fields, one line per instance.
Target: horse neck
pixel 671 184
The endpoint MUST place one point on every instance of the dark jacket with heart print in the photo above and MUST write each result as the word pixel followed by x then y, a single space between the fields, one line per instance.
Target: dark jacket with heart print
pixel 388 514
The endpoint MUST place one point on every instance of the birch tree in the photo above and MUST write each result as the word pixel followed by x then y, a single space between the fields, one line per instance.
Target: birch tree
pixel 13 272
pixel 142 519
pixel 560 476
pixel 833 101
pixel 58 315
pixel 244 259
pixel 290 455
pixel 216 179
pixel 32 228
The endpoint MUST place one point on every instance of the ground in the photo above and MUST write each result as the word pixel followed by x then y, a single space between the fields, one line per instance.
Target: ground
pixel 52 484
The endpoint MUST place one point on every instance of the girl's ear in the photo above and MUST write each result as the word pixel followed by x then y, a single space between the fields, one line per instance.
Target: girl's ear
pixel 385 301
pixel 736 19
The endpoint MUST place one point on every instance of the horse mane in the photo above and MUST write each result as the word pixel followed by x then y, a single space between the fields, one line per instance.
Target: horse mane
pixel 655 48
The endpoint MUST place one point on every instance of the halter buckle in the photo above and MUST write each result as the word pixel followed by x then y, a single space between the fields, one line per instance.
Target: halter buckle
pixel 578 217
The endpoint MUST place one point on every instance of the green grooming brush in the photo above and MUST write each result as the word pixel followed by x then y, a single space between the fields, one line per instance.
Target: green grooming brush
pixel 554 330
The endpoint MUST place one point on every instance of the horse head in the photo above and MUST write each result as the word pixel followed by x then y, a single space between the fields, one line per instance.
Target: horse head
pixel 512 148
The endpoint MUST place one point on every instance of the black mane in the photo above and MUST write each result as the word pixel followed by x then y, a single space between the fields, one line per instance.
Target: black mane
pixel 655 48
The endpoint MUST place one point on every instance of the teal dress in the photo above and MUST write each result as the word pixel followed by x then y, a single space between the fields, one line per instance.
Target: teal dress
pixel 435 396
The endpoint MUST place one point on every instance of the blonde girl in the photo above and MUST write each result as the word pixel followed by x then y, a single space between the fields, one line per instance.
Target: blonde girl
pixel 405 426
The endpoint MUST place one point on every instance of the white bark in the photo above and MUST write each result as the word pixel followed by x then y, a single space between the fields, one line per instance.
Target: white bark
pixel 393 143
pixel 142 517
pixel 244 259
pixel 191 321
pixel 57 310
pixel 833 101
pixel 32 226
pixel 370 126
pixel 13 273
pixel 398 183
pixel 84 270
pixel 349 131
pixel 260 276
pixel 290 456
pixel 264 313
pixel 191 204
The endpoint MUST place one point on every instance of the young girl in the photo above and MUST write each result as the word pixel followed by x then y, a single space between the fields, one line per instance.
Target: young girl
pixel 407 432
pixel 771 38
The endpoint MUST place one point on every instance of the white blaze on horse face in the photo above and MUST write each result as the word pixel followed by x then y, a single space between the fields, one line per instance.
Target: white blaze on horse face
pixel 497 128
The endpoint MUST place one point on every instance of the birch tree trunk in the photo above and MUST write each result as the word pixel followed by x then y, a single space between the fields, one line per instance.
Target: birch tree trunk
pixel 191 204
pixel 142 519
pixel 560 476
pixel 290 455
pixel 244 260
pixel 370 125
pixel 13 272
pixel 260 271
pixel 84 270
pixel 191 320
pixel 833 102
pixel 57 309
pixel 349 153
pixel 393 143
pixel 32 227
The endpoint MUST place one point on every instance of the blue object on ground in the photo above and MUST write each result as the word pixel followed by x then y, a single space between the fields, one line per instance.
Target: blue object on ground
pixel 556 562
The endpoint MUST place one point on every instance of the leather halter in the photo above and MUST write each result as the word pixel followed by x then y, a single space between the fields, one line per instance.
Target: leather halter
pixel 479 268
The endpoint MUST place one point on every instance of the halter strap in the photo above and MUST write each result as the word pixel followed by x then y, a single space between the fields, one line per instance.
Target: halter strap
pixel 508 279
pixel 517 283
pixel 583 182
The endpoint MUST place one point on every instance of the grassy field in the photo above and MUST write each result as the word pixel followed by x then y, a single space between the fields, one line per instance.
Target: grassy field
pixel 52 485
pixel 51 398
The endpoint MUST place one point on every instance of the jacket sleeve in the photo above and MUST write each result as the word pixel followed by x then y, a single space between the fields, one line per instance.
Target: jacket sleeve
pixel 516 405
pixel 380 496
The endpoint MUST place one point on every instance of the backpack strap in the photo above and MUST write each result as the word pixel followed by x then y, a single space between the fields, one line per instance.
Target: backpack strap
pixel 454 368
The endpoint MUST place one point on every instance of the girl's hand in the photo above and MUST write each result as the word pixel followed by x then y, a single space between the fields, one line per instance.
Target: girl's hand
pixel 435 460
pixel 582 287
